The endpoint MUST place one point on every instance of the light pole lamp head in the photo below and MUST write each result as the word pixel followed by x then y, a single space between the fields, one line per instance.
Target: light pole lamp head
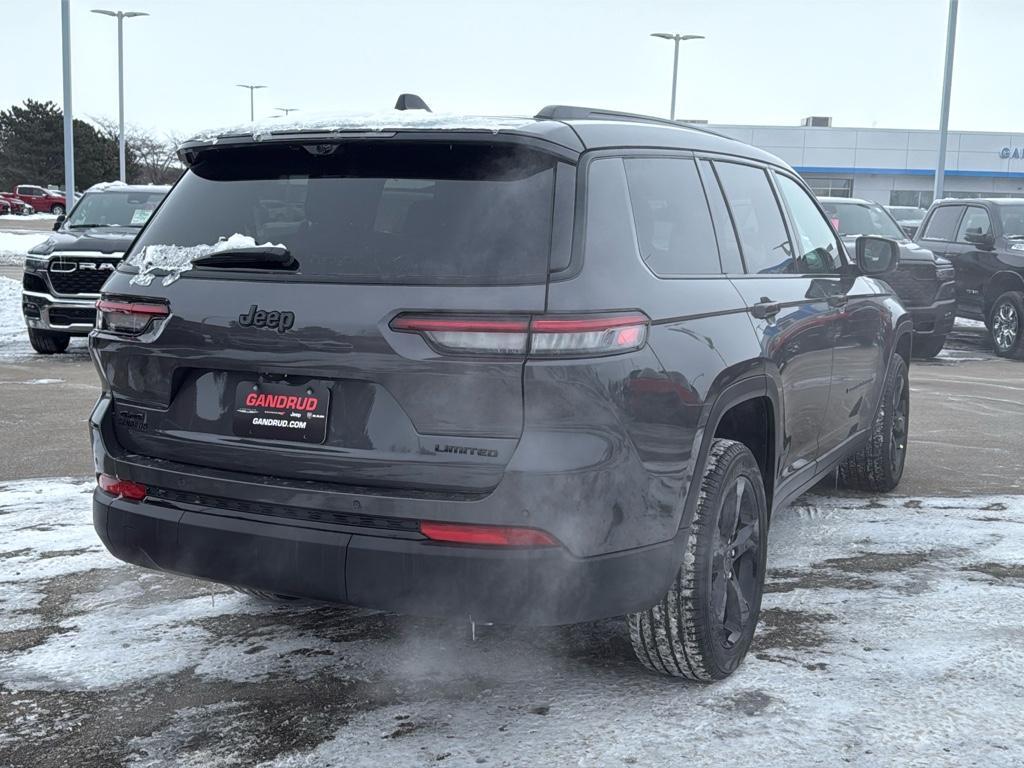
pixel 120 14
pixel 670 36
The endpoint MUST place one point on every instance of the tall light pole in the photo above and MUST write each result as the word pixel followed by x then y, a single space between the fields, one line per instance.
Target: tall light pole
pixel 675 61
pixel 252 89
pixel 69 139
pixel 120 16
pixel 947 85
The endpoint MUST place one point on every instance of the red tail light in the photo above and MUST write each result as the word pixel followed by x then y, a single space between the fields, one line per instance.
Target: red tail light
pixel 128 317
pixel 487 535
pixel 124 488
pixel 540 336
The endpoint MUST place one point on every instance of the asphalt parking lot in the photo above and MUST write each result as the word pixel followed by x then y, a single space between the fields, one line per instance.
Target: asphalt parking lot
pixel 891 633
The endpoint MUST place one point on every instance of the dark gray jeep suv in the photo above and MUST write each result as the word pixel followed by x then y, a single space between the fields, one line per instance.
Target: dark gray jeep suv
pixel 533 371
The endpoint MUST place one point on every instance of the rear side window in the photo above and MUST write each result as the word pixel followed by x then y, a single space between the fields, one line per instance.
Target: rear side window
pixel 673 224
pixel 758 220
pixel 975 222
pixel 942 223
pixel 375 211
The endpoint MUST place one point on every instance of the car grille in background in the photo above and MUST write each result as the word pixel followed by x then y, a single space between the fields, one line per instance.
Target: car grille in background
pixel 72 315
pixel 79 280
pixel 915 284
pixel 294 513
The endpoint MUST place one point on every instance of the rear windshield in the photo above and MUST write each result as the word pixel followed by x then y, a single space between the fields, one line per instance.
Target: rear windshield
pixel 372 211
pixel 114 209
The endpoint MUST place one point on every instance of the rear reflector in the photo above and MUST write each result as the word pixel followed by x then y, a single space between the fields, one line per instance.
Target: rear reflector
pixel 542 336
pixel 128 317
pixel 124 488
pixel 487 535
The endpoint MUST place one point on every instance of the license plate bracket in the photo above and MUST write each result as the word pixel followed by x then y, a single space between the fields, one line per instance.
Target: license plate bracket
pixel 275 411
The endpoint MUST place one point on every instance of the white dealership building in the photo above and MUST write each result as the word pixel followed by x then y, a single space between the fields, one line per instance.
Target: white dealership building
pixel 891 166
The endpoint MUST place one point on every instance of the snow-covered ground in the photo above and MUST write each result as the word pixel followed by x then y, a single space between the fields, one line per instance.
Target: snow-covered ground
pixel 14 343
pixel 14 245
pixel 14 218
pixel 891 635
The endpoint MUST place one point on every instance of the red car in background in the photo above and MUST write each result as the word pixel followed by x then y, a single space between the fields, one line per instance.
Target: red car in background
pixel 43 200
pixel 15 204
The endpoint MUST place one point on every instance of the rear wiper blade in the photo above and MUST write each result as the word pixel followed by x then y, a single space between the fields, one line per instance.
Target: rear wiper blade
pixel 254 257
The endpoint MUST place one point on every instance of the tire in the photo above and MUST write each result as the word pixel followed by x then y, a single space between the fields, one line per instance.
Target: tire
pixel 57 210
pixel 1006 325
pixel 878 466
pixel 928 347
pixel 269 597
pixel 48 342
pixel 698 631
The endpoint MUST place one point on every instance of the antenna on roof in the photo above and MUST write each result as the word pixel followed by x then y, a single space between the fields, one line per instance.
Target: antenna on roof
pixel 411 101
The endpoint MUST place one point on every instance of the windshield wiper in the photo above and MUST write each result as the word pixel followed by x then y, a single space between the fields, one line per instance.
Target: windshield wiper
pixel 255 257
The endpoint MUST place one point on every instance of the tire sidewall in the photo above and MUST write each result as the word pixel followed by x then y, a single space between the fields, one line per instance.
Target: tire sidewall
pixel 721 660
pixel 1016 300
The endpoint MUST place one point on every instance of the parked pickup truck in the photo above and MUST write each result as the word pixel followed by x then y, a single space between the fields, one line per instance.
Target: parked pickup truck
pixel 42 200
pixel 63 275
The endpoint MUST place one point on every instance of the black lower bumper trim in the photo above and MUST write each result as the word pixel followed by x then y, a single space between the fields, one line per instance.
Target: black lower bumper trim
pixel 543 586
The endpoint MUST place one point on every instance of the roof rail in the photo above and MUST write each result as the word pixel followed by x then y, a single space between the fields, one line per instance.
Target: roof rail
pixel 567 112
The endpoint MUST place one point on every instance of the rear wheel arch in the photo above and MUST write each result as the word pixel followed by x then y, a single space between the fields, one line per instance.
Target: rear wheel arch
pixel 757 396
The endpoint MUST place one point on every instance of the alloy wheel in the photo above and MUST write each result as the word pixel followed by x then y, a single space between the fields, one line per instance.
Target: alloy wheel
pixel 1005 326
pixel 736 563
pixel 900 423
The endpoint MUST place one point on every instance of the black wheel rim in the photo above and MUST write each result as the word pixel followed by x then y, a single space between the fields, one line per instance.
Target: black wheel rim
pixel 735 569
pixel 1005 326
pixel 900 424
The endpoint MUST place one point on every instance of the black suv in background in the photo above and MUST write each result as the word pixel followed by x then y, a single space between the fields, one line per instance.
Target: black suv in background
pixel 525 370
pixel 64 274
pixel 923 282
pixel 984 239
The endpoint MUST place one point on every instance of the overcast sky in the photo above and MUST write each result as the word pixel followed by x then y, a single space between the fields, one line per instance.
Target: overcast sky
pixel 864 62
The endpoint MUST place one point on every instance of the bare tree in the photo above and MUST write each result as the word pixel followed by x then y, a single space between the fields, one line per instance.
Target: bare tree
pixel 150 158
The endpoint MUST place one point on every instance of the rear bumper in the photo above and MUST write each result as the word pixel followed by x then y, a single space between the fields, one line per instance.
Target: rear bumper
pixel 544 586
pixel 935 319
pixel 363 546
pixel 75 317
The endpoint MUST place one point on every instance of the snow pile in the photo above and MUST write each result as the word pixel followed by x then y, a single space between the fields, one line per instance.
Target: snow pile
pixel 173 260
pixel 325 122
pixel 890 630
pixel 15 217
pixel 13 337
pixel 14 247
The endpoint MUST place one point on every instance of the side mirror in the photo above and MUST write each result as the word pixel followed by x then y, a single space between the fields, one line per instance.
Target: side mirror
pixel 59 222
pixel 986 241
pixel 877 255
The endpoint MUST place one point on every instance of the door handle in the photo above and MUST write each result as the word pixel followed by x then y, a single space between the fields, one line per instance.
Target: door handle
pixel 838 300
pixel 765 308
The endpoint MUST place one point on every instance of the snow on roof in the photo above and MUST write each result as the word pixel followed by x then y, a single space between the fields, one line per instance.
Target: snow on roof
pixel 370 121
pixel 101 186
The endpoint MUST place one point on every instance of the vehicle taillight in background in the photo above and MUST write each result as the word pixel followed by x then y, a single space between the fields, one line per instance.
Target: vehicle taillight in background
pixel 539 336
pixel 128 317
